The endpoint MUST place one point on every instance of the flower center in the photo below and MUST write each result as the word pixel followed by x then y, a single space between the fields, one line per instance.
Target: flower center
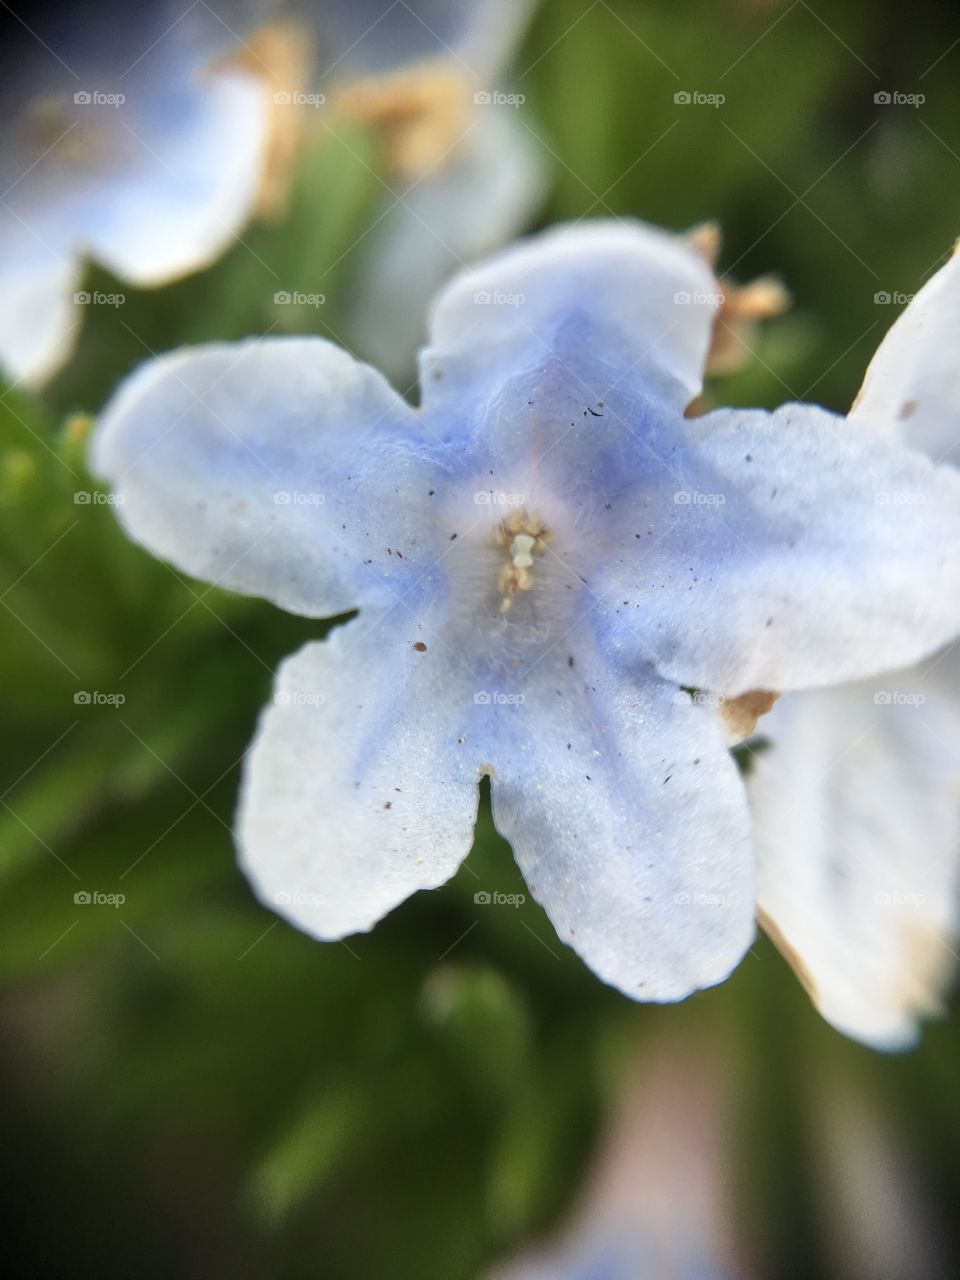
pixel 524 539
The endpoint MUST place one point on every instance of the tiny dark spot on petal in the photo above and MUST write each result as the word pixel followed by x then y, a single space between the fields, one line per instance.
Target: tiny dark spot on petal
pixel 420 646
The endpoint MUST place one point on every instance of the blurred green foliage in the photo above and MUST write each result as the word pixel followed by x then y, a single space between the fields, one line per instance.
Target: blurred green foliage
pixel 192 1087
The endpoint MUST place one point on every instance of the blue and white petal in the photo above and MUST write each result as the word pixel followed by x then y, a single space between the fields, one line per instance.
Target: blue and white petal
pixel 912 387
pixel 627 818
pixel 800 550
pixel 640 298
pixel 856 806
pixel 358 789
pixel 281 468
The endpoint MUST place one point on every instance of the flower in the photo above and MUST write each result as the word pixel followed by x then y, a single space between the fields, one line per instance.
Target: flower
pixel 466 171
pixel 559 578
pixel 658 1196
pixel 857 799
pixel 127 141
pixel 145 136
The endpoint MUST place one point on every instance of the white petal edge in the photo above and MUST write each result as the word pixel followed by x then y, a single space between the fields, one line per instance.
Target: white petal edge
pixel 241 464
pixel 191 189
pixel 643 294
pixel 38 316
pixel 823 553
pixel 352 799
pixel 856 806
pixel 628 819
pixel 912 386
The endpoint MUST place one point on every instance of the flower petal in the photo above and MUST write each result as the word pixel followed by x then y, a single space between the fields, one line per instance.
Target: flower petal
pixel 241 464
pixel 352 799
pixel 856 808
pixel 628 819
pixel 187 183
pixel 37 313
pixel 152 173
pixel 796 550
pixel 640 298
pixel 913 384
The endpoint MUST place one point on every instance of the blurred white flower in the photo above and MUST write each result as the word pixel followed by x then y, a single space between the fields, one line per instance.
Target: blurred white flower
pixel 466 168
pixel 856 802
pixel 144 136
pixel 658 1203
pixel 129 139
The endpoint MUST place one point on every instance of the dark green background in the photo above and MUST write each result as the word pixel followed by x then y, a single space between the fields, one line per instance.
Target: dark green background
pixel 191 1087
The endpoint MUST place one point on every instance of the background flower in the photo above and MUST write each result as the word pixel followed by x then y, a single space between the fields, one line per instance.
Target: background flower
pixel 856 797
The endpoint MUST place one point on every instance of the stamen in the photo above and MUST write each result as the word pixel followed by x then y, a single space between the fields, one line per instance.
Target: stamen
pixel 525 538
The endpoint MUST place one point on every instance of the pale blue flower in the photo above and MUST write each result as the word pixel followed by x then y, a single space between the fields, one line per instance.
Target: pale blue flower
pixel 126 140
pixel 546 555
pixel 140 135
pixel 857 798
